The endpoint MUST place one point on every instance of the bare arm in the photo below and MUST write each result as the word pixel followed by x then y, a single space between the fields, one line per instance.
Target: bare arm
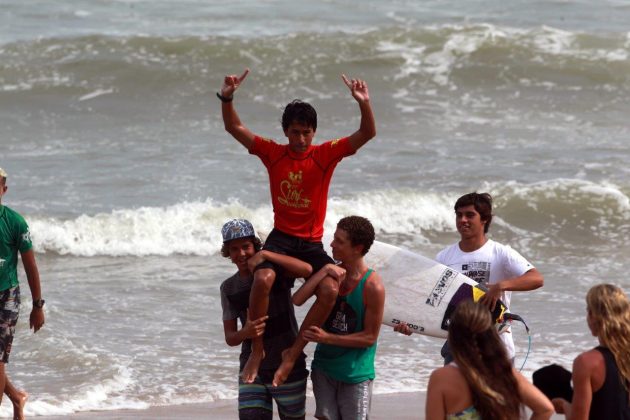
pixel 435 407
pixel 32 274
pixel 580 406
pixel 231 120
pixel 531 280
pixel 374 306
pixel 532 397
pixel 308 288
pixel 367 128
pixel 293 266
pixel 251 329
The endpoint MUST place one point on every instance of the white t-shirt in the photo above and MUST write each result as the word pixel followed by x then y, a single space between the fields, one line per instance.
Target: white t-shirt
pixel 489 264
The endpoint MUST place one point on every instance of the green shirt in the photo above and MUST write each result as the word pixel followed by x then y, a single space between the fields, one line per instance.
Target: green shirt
pixel 14 237
pixel 347 364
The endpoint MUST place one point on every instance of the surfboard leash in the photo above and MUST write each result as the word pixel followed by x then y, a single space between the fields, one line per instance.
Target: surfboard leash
pixel 514 317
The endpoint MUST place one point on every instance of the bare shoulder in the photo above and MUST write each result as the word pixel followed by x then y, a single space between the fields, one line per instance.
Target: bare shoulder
pixel 374 283
pixel 449 372
pixel 448 376
pixel 588 360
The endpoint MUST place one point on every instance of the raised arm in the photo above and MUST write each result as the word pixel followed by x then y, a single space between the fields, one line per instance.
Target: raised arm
pixel 367 129
pixel 231 121
pixel 32 274
pixel 374 307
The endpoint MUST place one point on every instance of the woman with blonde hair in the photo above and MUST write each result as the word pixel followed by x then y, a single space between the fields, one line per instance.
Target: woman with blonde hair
pixel 601 376
pixel 481 383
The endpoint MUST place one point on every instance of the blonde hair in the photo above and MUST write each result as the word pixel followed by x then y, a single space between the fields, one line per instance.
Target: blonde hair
pixel 609 309
pixel 483 360
pixel 3 175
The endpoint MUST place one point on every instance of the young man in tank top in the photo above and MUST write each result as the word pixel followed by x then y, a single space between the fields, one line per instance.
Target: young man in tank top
pixel 342 370
pixel 15 238
pixel 299 177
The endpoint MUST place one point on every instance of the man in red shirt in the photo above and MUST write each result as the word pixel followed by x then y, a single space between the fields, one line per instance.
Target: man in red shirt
pixel 299 176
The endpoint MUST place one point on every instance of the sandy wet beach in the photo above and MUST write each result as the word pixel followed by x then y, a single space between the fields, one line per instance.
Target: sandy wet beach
pixel 384 406
pixel 401 406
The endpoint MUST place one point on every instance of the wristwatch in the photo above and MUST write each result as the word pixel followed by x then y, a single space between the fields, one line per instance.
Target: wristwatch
pixel 39 303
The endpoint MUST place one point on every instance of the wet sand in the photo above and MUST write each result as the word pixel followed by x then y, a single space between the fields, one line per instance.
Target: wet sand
pixel 399 406
pixel 384 406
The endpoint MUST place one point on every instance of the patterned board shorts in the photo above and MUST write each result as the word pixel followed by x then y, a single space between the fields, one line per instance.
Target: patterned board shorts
pixel 255 401
pixel 9 310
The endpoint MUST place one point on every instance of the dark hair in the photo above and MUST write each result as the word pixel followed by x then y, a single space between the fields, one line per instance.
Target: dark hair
pixel 483 360
pixel 300 112
pixel 482 203
pixel 360 231
pixel 225 248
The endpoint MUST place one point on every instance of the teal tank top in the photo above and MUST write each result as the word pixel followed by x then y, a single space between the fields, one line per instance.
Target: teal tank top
pixel 346 364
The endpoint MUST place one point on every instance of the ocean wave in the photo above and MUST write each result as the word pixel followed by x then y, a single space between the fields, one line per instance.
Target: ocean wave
pixel 193 228
pixel 559 210
pixel 442 55
pixel 571 209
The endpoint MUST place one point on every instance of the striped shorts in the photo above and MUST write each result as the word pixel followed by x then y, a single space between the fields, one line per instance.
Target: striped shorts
pixel 255 400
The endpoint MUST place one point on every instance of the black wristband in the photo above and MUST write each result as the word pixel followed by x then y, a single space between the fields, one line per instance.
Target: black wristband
pixel 224 99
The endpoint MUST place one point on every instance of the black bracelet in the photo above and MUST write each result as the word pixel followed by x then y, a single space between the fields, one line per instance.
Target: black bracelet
pixel 224 99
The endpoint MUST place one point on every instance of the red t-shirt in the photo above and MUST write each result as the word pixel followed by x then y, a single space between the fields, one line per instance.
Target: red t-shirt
pixel 299 183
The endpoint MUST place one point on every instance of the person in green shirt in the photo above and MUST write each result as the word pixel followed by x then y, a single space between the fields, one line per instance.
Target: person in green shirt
pixel 343 367
pixel 15 237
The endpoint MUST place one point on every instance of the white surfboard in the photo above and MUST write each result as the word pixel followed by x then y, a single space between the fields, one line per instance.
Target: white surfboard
pixel 419 291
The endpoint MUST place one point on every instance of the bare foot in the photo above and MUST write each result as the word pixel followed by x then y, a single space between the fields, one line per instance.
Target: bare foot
pixel 250 371
pixel 19 401
pixel 285 368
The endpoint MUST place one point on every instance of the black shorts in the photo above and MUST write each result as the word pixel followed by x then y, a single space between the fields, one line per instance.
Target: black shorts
pixel 309 252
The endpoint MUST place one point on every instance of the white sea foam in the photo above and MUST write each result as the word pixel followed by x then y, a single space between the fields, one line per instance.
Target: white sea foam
pixel 90 397
pixel 96 93
pixel 194 227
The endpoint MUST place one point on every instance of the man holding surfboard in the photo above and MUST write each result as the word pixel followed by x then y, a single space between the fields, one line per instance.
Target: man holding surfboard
pixel 299 177
pixel 499 267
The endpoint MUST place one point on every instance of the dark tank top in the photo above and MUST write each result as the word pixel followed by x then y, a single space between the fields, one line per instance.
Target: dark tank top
pixel 610 402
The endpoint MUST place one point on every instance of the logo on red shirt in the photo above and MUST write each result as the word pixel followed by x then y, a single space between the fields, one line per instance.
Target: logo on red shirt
pixel 291 192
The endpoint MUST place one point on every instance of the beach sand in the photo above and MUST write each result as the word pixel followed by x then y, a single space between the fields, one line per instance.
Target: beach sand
pixel 401 406
pixel 384 406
